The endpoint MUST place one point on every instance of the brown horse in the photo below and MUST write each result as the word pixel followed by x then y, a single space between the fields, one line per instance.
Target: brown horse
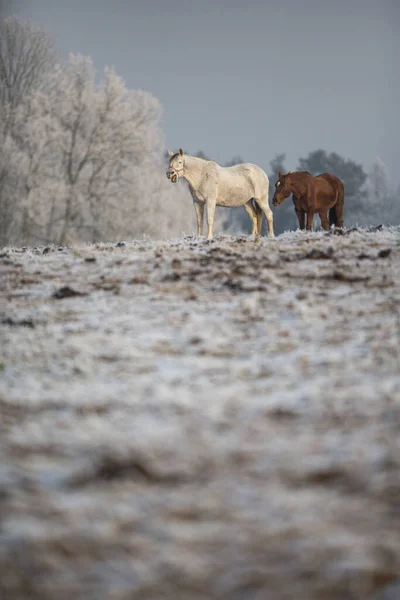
pixel 312 195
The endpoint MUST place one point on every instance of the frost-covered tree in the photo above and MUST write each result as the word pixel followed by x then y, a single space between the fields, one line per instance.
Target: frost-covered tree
pixel 10 187
pixel 89 163
pixel 378 182
pixel 103 137
pixel 37 168
pixel 79 160
pixel 27 54
pixel 382 203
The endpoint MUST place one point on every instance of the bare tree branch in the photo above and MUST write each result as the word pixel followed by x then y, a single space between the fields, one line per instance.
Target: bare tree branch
pixel 27 54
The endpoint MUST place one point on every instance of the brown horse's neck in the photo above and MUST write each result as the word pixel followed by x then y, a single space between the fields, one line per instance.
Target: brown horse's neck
pixel 298 183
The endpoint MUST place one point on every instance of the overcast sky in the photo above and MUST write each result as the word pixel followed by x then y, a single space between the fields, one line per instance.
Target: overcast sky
pixel 252 78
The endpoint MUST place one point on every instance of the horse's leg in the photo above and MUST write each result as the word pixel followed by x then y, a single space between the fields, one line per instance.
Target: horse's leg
pixel 310 216
pixel 301 218
pixel 336 212
pixel 263 204
pixel 324 220
pixel 333 216
pixel 339 209
pixel 199 208
pixel 339 215
pixel 249 208
pixel 259 216
pixel 259 219
pixel 211 203
pixel 301 215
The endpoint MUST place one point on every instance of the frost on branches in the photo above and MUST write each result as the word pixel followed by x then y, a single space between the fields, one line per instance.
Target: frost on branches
pixel 84 161
pixel 381 202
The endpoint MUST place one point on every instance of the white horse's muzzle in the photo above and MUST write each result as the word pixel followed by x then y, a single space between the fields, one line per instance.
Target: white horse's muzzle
pixel 172 176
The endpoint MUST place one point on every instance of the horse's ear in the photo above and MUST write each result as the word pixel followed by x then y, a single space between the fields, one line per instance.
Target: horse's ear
pixel 279 175
pixel 170 153
pixel 180 152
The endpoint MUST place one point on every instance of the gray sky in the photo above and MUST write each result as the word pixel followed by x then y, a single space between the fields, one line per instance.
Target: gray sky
pixel 251 78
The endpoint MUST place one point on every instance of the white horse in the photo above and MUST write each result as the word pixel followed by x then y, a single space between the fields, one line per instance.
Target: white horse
pixel 212 185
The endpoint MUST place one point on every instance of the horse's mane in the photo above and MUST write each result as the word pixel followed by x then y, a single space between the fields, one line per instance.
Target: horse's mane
pixel 299 173
pixel 190 156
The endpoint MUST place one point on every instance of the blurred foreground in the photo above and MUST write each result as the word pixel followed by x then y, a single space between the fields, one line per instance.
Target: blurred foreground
pixel 200 420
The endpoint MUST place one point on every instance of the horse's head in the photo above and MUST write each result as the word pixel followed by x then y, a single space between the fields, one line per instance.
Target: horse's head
pixel 176 165
pixel 282 189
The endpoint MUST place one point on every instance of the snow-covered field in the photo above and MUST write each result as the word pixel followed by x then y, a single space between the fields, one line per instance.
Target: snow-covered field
pixel 196 420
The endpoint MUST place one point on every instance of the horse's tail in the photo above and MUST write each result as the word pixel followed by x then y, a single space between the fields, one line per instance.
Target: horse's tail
pixel 336 212
pixel 333 219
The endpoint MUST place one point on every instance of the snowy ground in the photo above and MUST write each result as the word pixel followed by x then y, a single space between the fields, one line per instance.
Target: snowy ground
pixel 206 420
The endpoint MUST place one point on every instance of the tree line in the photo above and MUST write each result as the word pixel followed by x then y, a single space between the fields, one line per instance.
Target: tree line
pixel 82 159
